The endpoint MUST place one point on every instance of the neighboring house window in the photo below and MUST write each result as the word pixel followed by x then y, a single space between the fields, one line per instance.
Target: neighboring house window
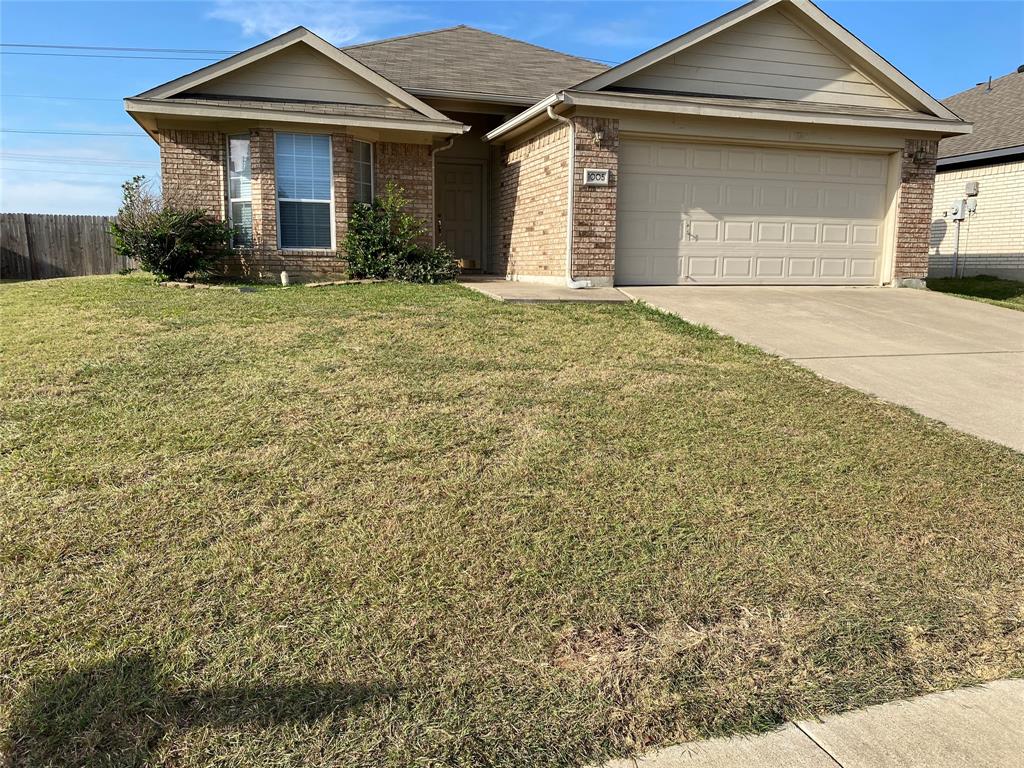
pixel 240 189
pixel 305 199
pixel 364 171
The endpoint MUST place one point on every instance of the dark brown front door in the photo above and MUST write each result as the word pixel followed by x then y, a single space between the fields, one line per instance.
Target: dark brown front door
pixel 460 195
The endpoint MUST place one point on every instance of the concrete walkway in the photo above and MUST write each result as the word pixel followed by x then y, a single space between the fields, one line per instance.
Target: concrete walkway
pixel 955 360
pixel 539 293
pixel 979 727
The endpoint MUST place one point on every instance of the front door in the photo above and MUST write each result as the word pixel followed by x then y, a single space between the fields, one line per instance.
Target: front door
pixel 460 220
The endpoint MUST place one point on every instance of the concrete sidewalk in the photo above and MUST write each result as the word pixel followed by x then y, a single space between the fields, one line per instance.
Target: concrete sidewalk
pixel 980 727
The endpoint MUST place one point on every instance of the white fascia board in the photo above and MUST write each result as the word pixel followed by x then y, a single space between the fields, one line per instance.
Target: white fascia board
pixel 277 44
pixel 136 107
pixel 526 116
pixel 674 46
pixel 605 100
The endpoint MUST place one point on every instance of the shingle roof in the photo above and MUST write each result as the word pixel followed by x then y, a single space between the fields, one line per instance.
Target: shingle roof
pixel 998 116
pixel 468 60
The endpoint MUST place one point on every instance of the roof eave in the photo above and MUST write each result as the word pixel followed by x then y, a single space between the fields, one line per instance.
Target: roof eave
pixel 649 103
pixel 526 119
pixel 138 108
pixel 984 157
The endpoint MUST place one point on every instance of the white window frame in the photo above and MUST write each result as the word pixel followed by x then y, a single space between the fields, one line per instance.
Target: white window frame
pixel 278 198
pixel 227 187
pixel 373 166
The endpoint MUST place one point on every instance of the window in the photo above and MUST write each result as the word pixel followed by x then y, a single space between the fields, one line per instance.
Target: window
pixel 240 189
pixel 364 171
pixel 304 190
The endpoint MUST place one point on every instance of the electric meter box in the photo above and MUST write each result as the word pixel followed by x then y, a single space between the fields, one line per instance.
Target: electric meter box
pixel 956 210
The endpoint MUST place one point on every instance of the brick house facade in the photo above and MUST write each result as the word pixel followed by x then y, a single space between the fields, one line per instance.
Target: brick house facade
pixel 507 203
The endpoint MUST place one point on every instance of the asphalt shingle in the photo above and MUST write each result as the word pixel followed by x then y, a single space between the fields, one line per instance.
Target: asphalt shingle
pixel 997 114
pixel 464 59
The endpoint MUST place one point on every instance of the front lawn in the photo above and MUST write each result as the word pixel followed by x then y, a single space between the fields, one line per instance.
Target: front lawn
pixel 992 290
pixel 387 525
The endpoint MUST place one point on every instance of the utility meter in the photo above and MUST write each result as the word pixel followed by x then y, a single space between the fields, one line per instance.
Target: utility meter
pixel 971 189
pixel 956 210
pixel 972 204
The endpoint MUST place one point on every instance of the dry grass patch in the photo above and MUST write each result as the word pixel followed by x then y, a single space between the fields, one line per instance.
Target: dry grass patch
pixel 381 525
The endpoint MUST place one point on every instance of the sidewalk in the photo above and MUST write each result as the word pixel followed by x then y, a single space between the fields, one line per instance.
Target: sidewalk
pixel 980 727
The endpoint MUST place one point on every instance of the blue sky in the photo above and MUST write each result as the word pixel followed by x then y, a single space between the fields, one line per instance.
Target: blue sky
pixel 944 46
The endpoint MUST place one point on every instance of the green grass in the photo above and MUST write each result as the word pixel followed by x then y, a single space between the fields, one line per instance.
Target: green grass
pixel 389 525
pixel 992 290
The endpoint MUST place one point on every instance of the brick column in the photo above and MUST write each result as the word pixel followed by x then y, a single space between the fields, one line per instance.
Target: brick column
pixel 411 167
pixel 192 169
pixel 594 216
pixel 264 198
pixel 914 212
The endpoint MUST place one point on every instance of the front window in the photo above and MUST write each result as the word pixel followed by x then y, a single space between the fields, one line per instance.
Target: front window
pixel 304 190
pixel 364 171
pixel 240 189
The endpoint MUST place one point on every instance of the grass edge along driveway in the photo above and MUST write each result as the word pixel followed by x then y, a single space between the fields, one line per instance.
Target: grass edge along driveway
pixel 394 525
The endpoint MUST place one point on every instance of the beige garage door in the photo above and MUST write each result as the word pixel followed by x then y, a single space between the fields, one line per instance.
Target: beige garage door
pixel 707 214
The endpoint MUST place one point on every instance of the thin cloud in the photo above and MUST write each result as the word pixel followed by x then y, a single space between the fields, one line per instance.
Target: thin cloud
pixel 338 23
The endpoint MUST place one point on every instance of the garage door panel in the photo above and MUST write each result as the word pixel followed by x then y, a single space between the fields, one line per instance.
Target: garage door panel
pixel 754 215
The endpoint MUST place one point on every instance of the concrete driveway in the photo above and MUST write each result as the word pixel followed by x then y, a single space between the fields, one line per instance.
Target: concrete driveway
pixel 955 360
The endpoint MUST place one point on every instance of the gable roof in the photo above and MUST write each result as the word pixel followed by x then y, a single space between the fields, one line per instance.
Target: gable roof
pixel 846 44
pixel 297 36
pixel 464 61
pixel 997 114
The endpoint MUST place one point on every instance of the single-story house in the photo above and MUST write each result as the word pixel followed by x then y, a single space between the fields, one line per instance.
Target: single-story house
pixel 983 174
pixel 768 146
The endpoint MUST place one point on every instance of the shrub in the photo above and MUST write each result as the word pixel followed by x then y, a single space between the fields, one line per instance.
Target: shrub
pixel 383 241
pixel 169 240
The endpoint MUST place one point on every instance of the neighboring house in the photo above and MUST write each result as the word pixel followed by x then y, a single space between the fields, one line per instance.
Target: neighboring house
pixel 991 237
pixel 767 146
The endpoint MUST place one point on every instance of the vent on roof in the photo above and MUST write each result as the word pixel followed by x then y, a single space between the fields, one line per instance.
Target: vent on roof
pixel 1020 69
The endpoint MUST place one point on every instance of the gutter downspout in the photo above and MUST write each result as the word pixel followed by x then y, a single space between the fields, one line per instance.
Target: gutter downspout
pixel 570 218
pixel 433 182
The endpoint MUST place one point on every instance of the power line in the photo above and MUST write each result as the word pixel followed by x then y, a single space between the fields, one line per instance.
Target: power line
pixel 75 133
pixel 56 98
pixel 49 171
pixel 113 48
pixel 104 56
pixel 68 159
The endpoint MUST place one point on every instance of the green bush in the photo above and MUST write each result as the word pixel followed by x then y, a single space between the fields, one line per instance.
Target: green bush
pixel 384 242
pixel 167 240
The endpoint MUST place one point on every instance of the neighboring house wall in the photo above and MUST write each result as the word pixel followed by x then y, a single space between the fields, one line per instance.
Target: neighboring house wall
pixel 532 201
pixel 992 238
pixel 193 171
pixel 593 246
pixel 913 211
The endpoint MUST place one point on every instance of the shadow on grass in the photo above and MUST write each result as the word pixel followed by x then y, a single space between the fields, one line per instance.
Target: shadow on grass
pixel 980 287
pixel 116 713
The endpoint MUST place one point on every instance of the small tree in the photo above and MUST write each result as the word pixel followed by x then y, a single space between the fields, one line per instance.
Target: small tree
pixel 385 241
pixel 169 239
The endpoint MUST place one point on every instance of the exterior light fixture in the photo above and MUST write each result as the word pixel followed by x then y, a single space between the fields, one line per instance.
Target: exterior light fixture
pixel 598 137
pixel 919 156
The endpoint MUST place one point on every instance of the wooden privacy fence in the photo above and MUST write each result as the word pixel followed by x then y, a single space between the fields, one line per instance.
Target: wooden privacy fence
pixel 34 246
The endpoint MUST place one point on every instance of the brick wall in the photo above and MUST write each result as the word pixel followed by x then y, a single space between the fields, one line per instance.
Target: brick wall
pixel 593 249
pixel 992 238
pixel 532 195
pixel 914 210
pixel 410 166
pixel 193 168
